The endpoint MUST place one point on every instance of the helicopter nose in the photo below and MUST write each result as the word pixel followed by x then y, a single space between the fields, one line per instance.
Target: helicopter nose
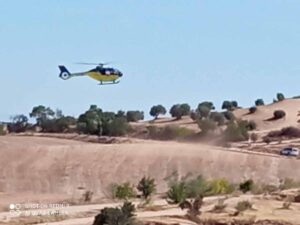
pixel 120 74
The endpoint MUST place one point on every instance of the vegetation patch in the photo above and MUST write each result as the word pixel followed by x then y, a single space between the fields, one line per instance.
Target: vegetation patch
pixel 171 132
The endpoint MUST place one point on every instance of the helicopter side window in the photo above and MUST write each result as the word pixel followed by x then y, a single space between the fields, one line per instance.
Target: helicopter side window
pixel 107 72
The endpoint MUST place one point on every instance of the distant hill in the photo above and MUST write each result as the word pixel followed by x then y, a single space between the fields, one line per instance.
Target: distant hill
pixel 264 114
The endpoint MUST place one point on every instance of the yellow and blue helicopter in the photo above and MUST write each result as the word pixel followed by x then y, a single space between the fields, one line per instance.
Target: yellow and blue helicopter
pixel 103 74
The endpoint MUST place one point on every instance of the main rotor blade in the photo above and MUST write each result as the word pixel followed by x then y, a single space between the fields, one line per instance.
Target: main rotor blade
pixel 83 63
pixel 100 64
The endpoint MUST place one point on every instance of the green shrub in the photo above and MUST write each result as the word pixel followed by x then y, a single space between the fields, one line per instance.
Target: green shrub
pixel 278 114
pixel 246 186
pixel 207 104
pixel 236 131
pixel 259 102
pixel 229 115
pixel 229 105
pixel 117 127
pixel 180 110
pixel 207 125
pixel 170 132
pixel 147 186
pixel 220 186
pixel 196 187
pixel 123 191
pixel 177 192
pixel 217 117
pixel 280 97
pixel 133 116
pixel 116 216
pixel 252 109
pixel 203 111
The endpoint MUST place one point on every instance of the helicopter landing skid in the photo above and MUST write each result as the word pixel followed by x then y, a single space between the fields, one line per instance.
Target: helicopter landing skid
pixel 116 82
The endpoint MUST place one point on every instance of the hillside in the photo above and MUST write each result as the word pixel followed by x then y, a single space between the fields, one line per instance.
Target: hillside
pixel 263 115
pixel 52 166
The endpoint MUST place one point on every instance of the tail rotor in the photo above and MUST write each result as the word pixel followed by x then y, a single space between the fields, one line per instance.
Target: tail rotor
pixel 64 73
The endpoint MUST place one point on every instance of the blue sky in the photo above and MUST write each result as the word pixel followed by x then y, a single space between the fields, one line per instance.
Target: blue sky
pixel 169 51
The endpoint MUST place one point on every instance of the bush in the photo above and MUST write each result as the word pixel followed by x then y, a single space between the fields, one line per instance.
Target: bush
pixel 203 111
pixel 246 186
pixel 278 114
pixel 207 125
pixel 116 216
pixel 289 132
pixel 196 187
pixel 133 116
pixel 147 186
pixel 259 102
pixel 252 109
pixel 267 140
pixel 193 206
pixel 219 118
pixel 236 131
pixel 171 132
pixel 229 105
pixel 234 104
pixel 123 191
pixel 253 137
pixel 180 110
pixel 177 192
pixel 280 97
pixel 186 109
pixel 206 104
pixel 229 115
pixel 243 206
pixel 117 127
pixel 220 186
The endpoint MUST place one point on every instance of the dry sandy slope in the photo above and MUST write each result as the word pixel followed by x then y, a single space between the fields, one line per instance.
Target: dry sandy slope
pixel 55 166
pixel 263 113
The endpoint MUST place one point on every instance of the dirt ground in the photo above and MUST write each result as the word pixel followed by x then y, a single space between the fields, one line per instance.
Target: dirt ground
pixel 52 170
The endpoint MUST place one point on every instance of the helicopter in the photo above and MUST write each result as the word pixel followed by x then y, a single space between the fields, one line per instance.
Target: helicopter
pixel 100 73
